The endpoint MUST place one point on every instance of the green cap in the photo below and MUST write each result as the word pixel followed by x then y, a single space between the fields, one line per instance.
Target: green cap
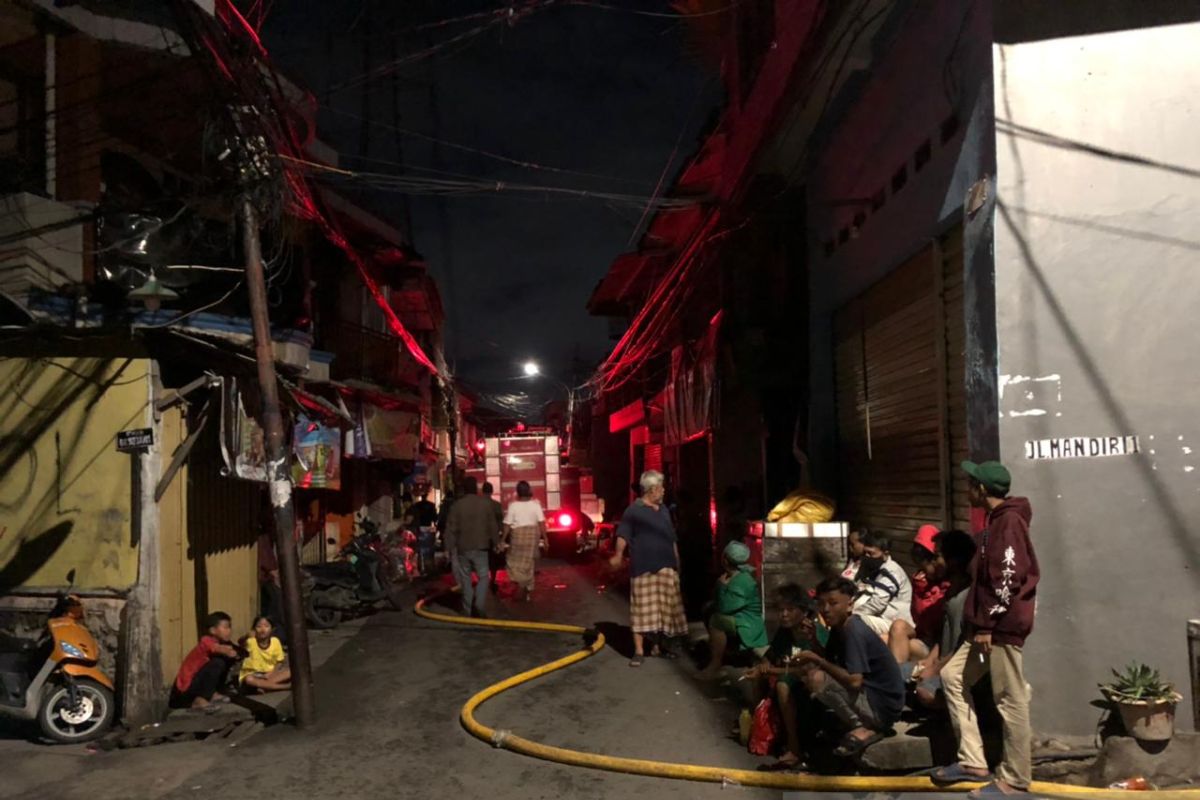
pixel 992 474
pixel 737 553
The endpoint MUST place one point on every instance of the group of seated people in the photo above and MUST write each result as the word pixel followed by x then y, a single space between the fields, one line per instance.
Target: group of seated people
pixel 203 677
pixel 852 653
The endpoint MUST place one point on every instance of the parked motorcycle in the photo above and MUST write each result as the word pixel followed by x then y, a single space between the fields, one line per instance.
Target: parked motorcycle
pixel 355 584
pixel 54 678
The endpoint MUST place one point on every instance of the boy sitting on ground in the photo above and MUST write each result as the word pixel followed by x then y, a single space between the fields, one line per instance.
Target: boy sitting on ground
pixel 954 551
pixel 857 678
pixel 884 591
pixel 911 641
pixel 737 612
pixel 205 670
pixel 778 676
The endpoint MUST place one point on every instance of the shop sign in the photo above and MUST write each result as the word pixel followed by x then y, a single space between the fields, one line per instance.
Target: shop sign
pixel 1081 447
pixel 134 440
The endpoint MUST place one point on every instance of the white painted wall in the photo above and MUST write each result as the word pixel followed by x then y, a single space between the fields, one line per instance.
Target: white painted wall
pixel 1097 291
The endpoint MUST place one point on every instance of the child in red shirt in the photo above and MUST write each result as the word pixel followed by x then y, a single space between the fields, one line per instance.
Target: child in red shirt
pixel 912 642
pixel 206 667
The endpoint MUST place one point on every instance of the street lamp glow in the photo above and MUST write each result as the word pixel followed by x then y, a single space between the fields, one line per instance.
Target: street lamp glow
pixel 531 368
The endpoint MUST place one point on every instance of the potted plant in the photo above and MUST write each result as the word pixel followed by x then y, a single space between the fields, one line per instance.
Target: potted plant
pixel 1145 702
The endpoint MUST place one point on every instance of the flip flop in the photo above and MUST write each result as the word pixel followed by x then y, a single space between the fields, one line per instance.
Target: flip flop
pixel 637 661
pixel 784 766
pixel 852 745
pixel 956 773
pixel 993 791
pixel 669 655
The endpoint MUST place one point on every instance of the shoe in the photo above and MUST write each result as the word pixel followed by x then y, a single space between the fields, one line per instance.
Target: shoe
pixel 956 773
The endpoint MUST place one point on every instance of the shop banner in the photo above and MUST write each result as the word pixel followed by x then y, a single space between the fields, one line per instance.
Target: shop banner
pixel 688 396
pixel 317 455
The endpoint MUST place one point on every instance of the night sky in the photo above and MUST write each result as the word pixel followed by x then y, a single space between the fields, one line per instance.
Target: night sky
pixel 578 88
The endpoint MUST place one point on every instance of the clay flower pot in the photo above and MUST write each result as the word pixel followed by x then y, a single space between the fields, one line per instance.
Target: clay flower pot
pixel 1148 720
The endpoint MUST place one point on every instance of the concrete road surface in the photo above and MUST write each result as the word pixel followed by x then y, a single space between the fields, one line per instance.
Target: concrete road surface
pixel 388 721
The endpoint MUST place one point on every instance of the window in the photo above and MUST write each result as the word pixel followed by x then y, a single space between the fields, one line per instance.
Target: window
pixel 22 135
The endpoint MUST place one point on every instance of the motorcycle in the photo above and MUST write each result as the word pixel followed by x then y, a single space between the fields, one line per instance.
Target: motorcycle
pixel 54 678
pixel 355 584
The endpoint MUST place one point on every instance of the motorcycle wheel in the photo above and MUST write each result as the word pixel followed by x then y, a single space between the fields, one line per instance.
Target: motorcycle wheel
pixel 320 618
pixel 91 717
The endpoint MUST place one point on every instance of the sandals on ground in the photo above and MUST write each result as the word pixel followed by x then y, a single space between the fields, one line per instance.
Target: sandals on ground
pixel 637 661
pixel 956 773
pixel 853 745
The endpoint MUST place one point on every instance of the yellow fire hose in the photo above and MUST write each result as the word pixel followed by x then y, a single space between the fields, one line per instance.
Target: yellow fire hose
pixel 693 772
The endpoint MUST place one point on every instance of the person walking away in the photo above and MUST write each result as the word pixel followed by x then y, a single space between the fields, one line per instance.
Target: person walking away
pixel 738 611
pixel 953 552
pixel 885 592
pixel 776 675
pixel 524 532
pixel 205 669
pixel 495 561
pixel 911 641
pixel 857 678
pixel 423 516
pixel 655 603
pixel 998 613
pixel 471 531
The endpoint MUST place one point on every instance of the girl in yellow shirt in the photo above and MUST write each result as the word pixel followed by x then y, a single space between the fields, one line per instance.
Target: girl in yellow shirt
pixel 265 666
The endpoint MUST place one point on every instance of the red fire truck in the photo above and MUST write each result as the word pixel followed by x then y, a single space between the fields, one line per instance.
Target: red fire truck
pixel 534 456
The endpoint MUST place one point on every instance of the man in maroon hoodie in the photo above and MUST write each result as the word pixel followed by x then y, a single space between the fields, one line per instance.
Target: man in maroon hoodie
pixel 998 615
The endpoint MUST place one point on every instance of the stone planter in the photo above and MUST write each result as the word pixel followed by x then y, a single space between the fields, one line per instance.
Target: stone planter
pixel 1148 721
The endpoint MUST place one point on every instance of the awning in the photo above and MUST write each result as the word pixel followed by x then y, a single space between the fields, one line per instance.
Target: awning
pixel 628 280
pixel 313 405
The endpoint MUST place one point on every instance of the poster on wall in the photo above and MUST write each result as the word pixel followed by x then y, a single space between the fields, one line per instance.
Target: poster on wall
pixel 393 434
pixel 316 455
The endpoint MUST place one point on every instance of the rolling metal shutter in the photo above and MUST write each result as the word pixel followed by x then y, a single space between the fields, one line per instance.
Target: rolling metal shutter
pixel 900 398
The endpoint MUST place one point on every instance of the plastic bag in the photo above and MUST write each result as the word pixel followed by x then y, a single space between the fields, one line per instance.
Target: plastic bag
pixel 803 506
pixel 765 728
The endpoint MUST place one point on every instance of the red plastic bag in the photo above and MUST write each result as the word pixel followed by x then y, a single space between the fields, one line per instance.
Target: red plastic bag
pixel 765 729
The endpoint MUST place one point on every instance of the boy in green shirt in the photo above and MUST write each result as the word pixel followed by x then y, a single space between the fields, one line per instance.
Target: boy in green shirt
pixel 738 611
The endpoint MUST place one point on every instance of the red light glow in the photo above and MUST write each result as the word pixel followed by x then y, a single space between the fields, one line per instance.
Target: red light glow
pixel 480 445
pixel 565 520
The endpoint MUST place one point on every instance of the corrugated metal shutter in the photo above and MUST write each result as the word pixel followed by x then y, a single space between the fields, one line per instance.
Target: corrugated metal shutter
pixel 897 403
pixel 956 372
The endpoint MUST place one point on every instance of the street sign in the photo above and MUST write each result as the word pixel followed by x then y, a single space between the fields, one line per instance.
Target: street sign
pixel 133 440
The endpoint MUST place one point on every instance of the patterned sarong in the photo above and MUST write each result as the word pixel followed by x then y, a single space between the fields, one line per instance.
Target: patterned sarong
pixel 522 552
pixel 656 605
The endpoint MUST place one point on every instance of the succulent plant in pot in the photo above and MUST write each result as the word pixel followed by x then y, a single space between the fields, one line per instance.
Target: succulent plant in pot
pixel 1145 702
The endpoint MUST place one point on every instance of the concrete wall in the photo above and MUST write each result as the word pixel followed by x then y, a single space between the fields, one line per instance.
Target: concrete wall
pixel 65 491
pixel 1096 294
pixel 927 63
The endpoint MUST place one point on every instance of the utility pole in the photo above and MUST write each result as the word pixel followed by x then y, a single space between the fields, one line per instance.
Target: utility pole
pixel 278 477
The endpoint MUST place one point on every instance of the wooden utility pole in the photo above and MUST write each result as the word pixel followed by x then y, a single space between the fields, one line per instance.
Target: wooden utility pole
pixel 278 476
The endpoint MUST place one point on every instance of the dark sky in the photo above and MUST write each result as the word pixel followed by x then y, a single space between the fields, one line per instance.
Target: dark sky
pixel 578 88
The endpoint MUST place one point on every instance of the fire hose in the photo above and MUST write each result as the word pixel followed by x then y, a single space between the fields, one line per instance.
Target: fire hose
pixel 508 740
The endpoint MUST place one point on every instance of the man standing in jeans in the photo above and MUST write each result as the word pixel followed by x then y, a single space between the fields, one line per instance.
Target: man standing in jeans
pixel 998 616
pixel 472 530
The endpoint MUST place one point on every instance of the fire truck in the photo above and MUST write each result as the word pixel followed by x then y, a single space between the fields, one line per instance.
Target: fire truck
pixel 534 456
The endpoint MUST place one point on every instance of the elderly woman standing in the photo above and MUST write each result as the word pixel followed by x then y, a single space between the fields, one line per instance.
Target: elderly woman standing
pixel 655 605
pixel 524 530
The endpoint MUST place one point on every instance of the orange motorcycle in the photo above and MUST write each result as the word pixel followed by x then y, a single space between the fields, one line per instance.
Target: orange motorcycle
pixel 54 678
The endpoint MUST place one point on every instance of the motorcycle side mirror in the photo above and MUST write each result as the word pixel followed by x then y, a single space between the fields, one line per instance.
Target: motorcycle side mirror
pixel 71 578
